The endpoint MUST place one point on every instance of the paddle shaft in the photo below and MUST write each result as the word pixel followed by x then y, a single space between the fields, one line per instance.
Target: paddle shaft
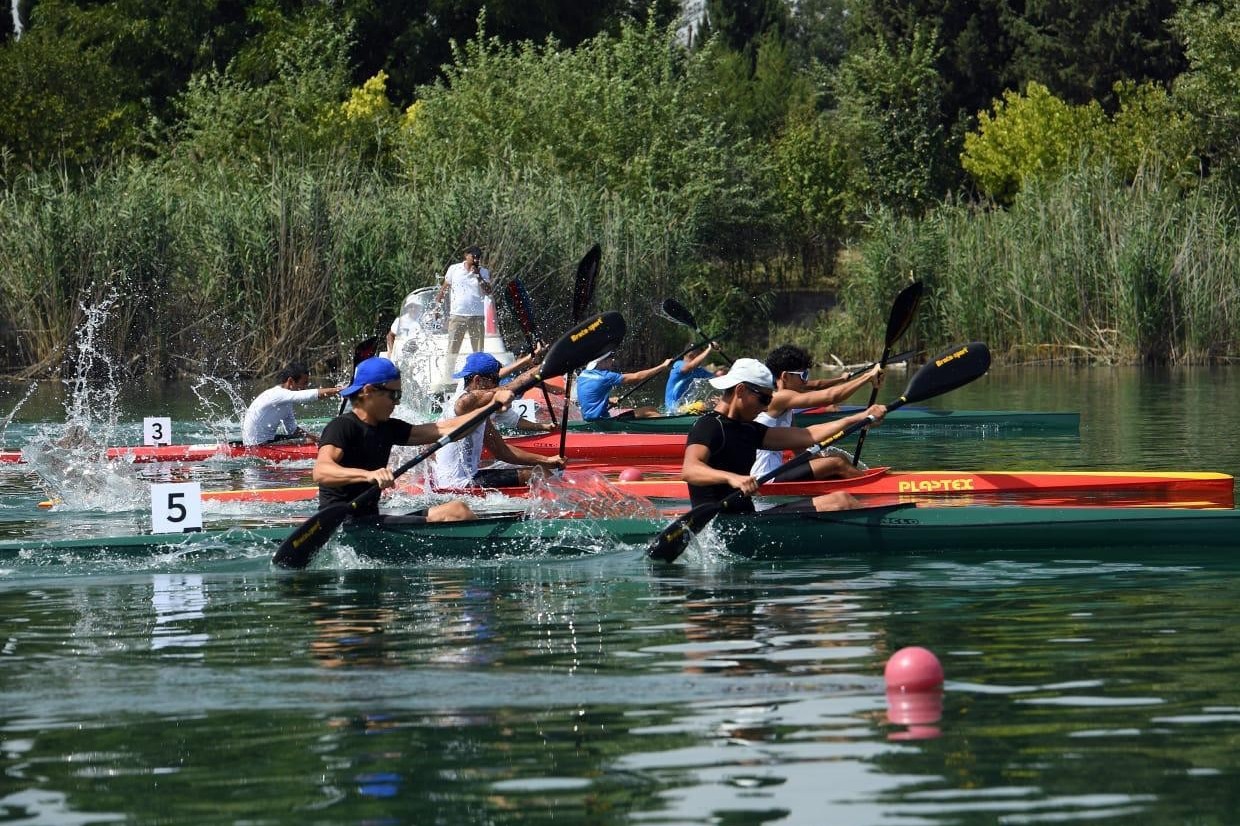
pixel 646 380
pixel 898 320
pixel 583 293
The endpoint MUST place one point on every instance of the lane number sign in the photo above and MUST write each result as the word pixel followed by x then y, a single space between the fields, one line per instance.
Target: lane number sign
pixel 157 430
pixel 176 507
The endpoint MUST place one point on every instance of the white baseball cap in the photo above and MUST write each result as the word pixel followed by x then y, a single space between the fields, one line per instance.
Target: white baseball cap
pixel 594 363
pixel 749 371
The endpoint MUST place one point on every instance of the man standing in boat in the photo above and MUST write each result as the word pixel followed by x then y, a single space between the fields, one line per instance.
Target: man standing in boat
pixel 456 465
pixel 723 444
pixel 466 284
pixel 795 390
pixel 273 408
pixel 594 386
pixel 355 448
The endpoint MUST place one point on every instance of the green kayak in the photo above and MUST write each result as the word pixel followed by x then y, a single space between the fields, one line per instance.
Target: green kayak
pixel 905 418
pixel 772 535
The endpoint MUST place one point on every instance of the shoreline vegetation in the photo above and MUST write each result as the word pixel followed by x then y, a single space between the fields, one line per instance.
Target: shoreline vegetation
pixel 269 217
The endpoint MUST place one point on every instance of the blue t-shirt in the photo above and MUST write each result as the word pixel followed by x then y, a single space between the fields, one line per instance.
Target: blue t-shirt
pixel 593 388
pixel 678 383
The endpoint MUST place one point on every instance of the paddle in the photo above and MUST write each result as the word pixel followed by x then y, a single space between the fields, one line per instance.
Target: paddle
pixel 584 342
pixel 679 355
pixel 680 314
pixel 583 292
pixel 902 311
pixel 953 368
pixel 521 306
pixel 364 350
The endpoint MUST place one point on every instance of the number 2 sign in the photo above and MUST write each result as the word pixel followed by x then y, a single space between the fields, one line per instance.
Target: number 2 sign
pixel 176 507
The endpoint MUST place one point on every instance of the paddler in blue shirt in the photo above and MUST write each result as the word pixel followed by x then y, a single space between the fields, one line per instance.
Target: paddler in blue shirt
pixel 594 386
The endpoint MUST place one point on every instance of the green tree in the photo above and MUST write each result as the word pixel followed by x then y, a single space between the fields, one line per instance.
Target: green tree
pixel 61 103
pixel 1210 89
pixel 890 108
pixel 1080 50
pixel 742 23
pixel 229 118
pixel 1031 136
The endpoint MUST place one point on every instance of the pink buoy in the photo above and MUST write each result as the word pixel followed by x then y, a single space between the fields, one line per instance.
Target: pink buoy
pixel 630 474
pixel 913 669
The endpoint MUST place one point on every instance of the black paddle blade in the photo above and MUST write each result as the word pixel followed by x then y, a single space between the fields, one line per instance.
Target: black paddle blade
pixel 301 545
pixel 519 303
pixel 903 309
pixel 583 287
pixel 954 367
pixel 678 313
pixel 365 349
pixel 585 342
pixel 672 540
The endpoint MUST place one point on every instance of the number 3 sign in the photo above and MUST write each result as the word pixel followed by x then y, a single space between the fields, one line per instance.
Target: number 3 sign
pixel 176 507
pixel 157 430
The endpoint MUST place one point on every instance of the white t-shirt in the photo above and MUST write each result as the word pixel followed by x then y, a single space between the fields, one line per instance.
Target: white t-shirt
pixel 465 294
pixel 768 460
pixel 270 409
pixel 410 316
pixel 455 464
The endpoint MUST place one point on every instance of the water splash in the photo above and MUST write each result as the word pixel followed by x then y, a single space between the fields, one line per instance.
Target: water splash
pixel 4 425
pixel 584 493
pixel 71 459
pixel 219 418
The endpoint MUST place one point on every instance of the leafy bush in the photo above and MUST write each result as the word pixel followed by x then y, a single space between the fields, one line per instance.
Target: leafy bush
pixel 1034 135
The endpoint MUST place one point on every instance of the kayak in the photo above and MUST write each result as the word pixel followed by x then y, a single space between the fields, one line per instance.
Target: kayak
pixel 1137 487
pixel 905 418
pixel 196 453
pixel 769 535
pixel 611 447
pixel 626 447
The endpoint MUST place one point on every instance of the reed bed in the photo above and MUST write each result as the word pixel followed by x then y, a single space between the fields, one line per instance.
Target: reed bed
pixel 233 275
pixel 1089 268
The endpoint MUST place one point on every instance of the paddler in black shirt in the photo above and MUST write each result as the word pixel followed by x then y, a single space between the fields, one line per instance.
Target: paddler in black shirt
pixel 722 445
pixel 354 449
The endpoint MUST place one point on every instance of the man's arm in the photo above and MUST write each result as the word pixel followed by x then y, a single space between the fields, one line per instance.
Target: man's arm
pixel 689 365
pixel 642 375
pixel 505 452
pixel 696 471
pixel 825 397
pixel 425 434
pixel 799 438
pixel 329 473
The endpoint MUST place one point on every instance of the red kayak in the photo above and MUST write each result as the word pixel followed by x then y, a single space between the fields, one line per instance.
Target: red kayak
pixel 283 452
pixel 625 448
pixel 1049 487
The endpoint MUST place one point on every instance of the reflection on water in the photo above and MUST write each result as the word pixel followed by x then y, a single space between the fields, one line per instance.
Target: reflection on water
pixel 601 690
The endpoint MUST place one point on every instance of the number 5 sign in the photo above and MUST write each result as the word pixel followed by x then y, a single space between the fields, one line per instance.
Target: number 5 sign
pixel 176 507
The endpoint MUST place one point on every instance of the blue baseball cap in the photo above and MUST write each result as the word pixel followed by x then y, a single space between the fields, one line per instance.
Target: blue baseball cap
pixel 374 370
pixel 478 364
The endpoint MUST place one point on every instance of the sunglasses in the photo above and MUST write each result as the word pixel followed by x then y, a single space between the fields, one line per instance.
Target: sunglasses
pixel 395 394
pixel 802 374
pixel 761 393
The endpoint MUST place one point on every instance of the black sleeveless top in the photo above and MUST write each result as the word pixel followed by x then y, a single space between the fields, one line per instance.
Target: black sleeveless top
pixel 733 446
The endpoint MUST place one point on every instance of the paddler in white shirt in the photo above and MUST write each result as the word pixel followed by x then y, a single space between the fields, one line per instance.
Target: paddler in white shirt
pixel 272 409
pixel 456 465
